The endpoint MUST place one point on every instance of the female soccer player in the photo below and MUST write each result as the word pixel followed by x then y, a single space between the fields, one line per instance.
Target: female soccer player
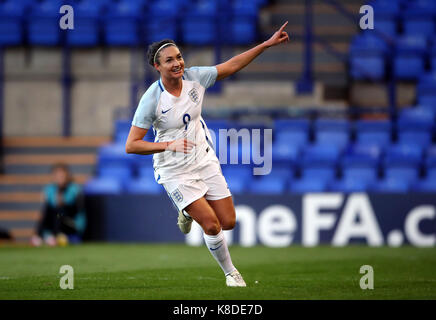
pixel 184 162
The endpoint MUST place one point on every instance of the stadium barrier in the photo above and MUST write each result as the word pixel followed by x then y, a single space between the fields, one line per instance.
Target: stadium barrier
pixel 311 219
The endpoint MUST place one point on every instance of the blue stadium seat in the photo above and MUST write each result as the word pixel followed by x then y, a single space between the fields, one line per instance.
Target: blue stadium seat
pixel 423 7
pixel 367 174
pixel 86 25
pixel 430 109
pixel 409 174
pixel 146 171
pixel 431 173
pixel 300 125
pixel 121 131
pixel 367 54
pixel 331 125
pixel 143 186
pixel 157 26
pixel 102 186
pixel 268 185
pixel 11 24
pixel 121 23
pixel 114 154
pixel 243 22
pixel 432 54
pixel 373 125
pixel 285 172
pixel 198 24
pixel 348 185
pixel 408 66
pixel 290 136
pixel 361 156
pixel 380 139
pixel 367 68
pixel 418 18
pixel 236 185
pixel 320 155
pixel 339 139
pixel 403 155
pixel 43 23
pixel 428 102
pixel 411 44
pixel 387 26
pixel 430 157
pixel 368 44
pixel 390 185
pixel 238 172
pixel 417 24
pixel 288 143
pixel 308 185
pixel 373 132
pixel 415 119
pixel 285 153
pixel 422 139
pixel 427 91
pixel 409 60
pixel 386 8
pixel 425 185
pixel 121 172
pixel 325 174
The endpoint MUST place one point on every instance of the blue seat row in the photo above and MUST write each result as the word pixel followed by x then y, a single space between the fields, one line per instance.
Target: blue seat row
pixel 271 185
pixel 411 54
pixel 129 22
pixel 410 17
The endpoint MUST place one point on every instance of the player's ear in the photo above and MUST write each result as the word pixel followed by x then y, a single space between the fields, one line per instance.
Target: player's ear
pixel 156 66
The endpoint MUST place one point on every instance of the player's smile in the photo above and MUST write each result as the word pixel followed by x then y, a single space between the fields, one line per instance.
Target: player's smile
pixel 177 71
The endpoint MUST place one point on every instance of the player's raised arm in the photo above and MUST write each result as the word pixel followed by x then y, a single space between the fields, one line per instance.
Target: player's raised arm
pixel 240 61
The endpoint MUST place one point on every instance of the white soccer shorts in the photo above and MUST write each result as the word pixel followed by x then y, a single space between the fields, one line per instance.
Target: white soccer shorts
pixel 210 183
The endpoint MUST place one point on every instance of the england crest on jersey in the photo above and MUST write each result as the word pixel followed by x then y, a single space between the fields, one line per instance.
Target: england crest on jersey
pixel 193 94
pixel 177 195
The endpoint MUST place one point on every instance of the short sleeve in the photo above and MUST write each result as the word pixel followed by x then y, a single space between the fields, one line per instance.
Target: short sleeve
pixel 146 112
pixel 206 76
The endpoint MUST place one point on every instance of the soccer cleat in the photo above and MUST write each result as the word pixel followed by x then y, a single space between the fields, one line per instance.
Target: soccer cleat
pixel 184 223
pixel 234 279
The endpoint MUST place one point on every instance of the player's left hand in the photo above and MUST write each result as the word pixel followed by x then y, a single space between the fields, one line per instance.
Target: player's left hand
pixel 278 37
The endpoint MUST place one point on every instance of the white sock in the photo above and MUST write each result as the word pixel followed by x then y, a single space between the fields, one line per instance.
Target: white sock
pixel 217 246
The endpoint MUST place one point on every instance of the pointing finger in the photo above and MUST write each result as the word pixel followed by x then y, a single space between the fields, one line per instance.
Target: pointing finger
pixel 283 26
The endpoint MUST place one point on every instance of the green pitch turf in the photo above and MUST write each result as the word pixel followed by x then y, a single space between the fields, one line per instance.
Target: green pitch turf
pixel 147 271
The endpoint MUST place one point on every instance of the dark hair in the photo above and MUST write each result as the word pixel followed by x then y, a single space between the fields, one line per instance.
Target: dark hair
pixel 64 167
pixel 152 48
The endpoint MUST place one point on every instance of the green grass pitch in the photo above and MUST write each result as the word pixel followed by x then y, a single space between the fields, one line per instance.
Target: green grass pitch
pixel 177 271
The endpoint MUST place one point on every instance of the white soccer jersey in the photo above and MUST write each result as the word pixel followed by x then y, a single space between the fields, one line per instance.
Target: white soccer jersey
pixel 178 117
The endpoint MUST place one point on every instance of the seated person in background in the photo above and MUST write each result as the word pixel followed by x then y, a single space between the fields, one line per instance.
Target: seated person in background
pixel 63 217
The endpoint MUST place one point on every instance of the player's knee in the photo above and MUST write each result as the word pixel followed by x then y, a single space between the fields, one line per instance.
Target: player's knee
pixel 212 227
pixel 229 224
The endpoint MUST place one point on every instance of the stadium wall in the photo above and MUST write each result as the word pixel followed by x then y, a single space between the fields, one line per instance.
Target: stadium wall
pixel 276 221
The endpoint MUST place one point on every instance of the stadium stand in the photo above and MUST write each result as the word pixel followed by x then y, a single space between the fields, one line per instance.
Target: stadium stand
pixel 309 153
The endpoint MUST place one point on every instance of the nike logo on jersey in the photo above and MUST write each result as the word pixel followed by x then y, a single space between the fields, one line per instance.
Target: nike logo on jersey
pixel 166 110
